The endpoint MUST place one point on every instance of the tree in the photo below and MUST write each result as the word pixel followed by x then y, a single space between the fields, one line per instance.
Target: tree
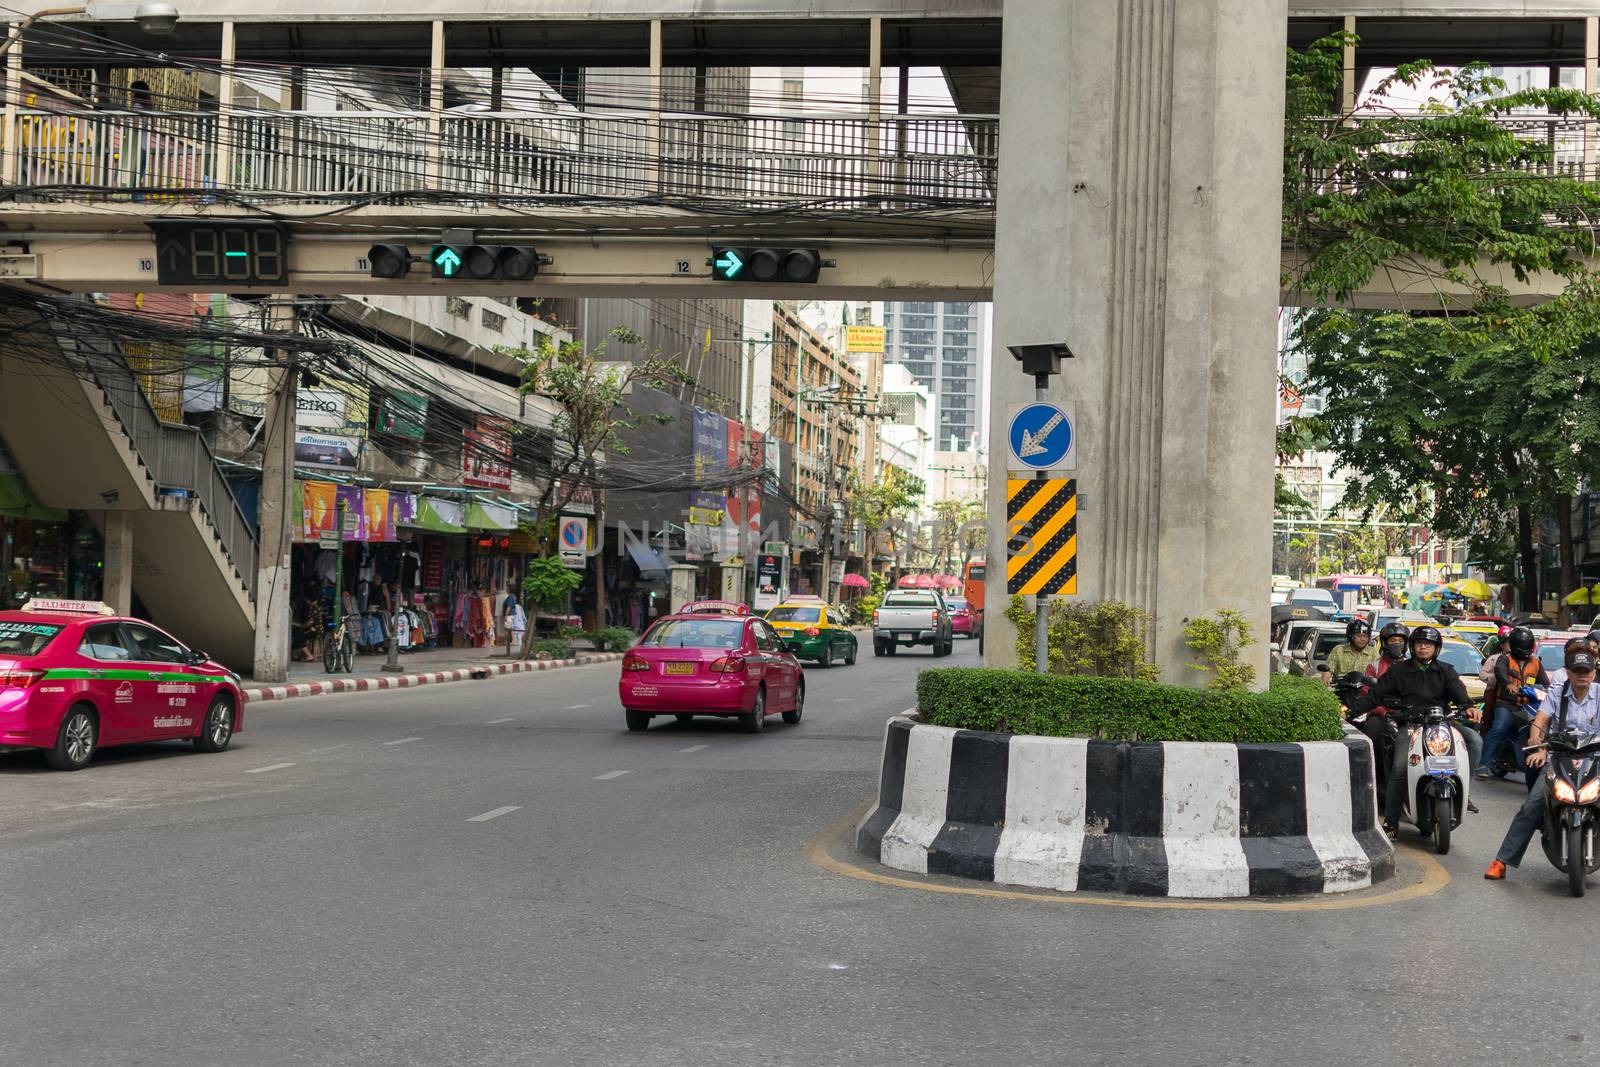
pixel 890 499
pixel 1466 418
pixel 958 530
pixel 589 392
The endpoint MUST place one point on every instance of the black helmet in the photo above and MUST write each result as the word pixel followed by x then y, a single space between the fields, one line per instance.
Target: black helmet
pixel 1593 637
pixel 1520 642
pixel 1394 629
pixel 1426 633
pixel 1357 626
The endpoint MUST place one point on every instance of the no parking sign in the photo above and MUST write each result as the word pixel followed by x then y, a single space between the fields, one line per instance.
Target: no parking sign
pixel 574 540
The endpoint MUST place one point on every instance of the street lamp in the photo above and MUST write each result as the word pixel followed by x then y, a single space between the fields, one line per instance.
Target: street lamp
pixel 155 18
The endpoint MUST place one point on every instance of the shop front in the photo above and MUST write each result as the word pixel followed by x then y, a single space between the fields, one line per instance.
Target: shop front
pixel 44 552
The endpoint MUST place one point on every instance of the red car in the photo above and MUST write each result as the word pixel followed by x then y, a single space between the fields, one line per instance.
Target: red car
pixel 711 658
pixel 75 678
pixel 963 620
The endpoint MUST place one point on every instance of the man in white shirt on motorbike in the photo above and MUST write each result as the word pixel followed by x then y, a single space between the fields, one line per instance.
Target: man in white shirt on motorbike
pixel 1582 699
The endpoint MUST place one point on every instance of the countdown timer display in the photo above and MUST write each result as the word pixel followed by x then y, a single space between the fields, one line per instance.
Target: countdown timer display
pixel 223 254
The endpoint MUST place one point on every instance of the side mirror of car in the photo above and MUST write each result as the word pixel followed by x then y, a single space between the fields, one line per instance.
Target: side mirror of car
pixel 1274 647
pixel 195 657
pixel 1299 654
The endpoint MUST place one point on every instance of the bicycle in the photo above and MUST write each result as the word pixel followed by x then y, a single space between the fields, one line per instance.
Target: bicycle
pixel 339 647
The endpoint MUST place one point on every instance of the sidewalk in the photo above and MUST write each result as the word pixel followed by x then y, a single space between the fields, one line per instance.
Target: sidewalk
pixel 419 668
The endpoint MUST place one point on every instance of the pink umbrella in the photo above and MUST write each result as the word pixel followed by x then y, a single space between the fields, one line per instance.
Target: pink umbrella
pixel 949 581
pixel 916 581
pixel 855 581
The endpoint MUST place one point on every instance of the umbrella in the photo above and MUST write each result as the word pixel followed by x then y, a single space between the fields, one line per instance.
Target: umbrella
pixel 855 581
pixel 1473 589
pixel 949 581
pixel 1584 595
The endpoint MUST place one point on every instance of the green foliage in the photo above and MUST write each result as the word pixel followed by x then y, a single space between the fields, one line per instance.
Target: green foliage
pixel 863 607
pixel 612 638
pixel 896 493
pixel 548 582
pixel 557 648
pixel 569 632
pixel 1102 638
pixel 1218 641
pixel 1125 709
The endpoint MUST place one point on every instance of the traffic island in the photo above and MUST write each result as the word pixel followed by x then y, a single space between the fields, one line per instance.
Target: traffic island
pixel 343 684
pixel 1193 819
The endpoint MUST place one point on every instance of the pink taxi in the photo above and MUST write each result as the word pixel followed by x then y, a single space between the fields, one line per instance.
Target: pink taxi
pixel 75 678
pixel 711 658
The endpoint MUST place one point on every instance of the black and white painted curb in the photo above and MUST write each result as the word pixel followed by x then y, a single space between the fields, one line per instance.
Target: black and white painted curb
pixel 1158 818
pixel 411 681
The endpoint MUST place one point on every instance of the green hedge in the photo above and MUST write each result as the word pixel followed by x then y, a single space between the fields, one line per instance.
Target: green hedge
pixel 1123 709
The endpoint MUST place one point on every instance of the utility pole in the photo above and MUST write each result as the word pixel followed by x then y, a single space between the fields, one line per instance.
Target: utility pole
pixel 273 616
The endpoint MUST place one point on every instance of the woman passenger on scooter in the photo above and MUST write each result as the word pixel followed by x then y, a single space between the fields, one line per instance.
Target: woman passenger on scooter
pixel 1421 681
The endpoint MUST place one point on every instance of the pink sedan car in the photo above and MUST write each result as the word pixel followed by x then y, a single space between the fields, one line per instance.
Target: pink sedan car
pixel 712 658
pixel 963 620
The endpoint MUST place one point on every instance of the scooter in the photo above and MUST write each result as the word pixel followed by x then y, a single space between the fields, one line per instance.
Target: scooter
pixel 1504 764
pixel 1436 781
pixel 1573 779
pixel 1347 688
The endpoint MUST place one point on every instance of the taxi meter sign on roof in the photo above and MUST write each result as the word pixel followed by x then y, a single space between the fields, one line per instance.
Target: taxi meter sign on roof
pixel 68 607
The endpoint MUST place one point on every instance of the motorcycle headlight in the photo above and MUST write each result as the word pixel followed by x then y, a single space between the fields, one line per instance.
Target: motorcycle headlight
pixel 1440 743
pixel 1563 791
pixel 1590 791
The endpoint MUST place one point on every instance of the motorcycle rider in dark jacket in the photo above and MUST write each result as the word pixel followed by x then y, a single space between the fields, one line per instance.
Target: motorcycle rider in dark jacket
pixel 1419 682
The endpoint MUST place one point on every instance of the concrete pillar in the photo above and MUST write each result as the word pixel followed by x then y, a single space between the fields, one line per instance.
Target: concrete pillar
pixel 1139 222
pixel 653 124
pixel 436 108
pixel 224 162
pixel 1347 80
pixel 117 581
pixel 11 155
pixel 682 585
pixel 276 512
pixel 1591 85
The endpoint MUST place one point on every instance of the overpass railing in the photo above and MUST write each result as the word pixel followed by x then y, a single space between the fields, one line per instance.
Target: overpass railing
pixel 752 160
pixel 1565 137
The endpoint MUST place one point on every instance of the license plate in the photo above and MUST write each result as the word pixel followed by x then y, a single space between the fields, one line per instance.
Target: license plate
pixel 680 668
pixel 1441 763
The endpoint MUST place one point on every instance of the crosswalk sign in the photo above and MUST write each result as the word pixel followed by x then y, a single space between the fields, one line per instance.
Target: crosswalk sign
pixel 1042 536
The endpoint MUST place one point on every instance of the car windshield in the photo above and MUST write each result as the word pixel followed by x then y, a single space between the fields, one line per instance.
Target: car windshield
pixel 25 638
pixel 790 613
pixel 1462 656
pixel 957 603
pixel 1553 656
pixel 1314 598
pixel 695 633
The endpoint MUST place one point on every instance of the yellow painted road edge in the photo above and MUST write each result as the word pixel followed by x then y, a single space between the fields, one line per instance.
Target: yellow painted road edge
pixel 1434 878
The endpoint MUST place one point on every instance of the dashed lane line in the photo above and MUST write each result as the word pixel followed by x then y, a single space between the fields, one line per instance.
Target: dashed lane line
pixel 497 722
pixel 268 767
pixel 606 777
pixel 495 813
pixel 403 741
pixel 693 748
pixel 577 707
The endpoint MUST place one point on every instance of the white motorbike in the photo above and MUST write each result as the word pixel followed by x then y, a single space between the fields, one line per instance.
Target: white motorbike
pixel 1437 778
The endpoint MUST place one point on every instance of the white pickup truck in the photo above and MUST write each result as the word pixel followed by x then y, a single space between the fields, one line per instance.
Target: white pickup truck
pixel 911 617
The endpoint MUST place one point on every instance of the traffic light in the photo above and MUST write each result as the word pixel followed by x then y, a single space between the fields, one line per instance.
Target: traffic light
pixel 499 262
pixel 389 261
pixel 766 264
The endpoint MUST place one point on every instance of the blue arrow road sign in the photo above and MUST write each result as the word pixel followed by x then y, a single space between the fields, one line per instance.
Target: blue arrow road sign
pixel 729 263
pixel 1040 436
pixel 447 261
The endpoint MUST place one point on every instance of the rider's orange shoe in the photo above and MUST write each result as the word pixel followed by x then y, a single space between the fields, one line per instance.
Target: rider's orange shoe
pixel 1496 871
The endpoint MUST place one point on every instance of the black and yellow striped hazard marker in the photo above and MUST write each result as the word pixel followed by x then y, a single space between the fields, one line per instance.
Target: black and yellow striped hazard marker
pixel 1042 527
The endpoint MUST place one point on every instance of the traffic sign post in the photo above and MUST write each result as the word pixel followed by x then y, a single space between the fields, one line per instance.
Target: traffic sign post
pixel 1040 437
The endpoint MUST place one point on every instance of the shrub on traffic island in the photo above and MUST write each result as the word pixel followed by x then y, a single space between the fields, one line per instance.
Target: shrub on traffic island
pixel 1125 709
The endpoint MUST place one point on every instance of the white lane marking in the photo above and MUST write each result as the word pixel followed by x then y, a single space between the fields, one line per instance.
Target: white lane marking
pixel 268 767
pixel 577 707
pixel 609 775
pixel 403 741
pixel 496 813
pixel 693 748
pixel 508 718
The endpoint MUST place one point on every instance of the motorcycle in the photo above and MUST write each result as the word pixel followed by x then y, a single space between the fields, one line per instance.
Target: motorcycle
pixel 1436 781
pixel 1509 758
pixel 1572 776
pixel 1347 687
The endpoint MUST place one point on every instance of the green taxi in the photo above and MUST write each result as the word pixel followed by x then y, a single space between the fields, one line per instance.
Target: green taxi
pixel 813 630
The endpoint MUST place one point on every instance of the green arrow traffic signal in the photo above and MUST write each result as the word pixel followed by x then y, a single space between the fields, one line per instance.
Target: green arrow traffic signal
pixel 446 261
pixel 728 264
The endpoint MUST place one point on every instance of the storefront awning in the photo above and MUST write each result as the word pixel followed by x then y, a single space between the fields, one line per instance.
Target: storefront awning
pixel 439 516
pixel 481 516
pixel 651 565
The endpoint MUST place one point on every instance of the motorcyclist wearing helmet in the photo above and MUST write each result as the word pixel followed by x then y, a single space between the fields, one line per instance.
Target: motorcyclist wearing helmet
pixel 1516 671
pixel 1497 643
pixel 1418 682
pixel 1355 655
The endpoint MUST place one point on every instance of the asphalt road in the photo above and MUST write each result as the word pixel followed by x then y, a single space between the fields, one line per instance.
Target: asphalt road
pixel 496 872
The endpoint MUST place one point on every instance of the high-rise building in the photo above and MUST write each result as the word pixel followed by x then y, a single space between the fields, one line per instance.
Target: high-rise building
pixel 942 346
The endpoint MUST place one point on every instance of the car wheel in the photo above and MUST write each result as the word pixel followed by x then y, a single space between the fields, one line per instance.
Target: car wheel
pixel 877 647
pixel 76 741
pixel 217 729
pixel 684 720
pixel 637 720
pixel 755 720
pixel 792 717
pixel 892 647
pixel 827 657
pixel 850 657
